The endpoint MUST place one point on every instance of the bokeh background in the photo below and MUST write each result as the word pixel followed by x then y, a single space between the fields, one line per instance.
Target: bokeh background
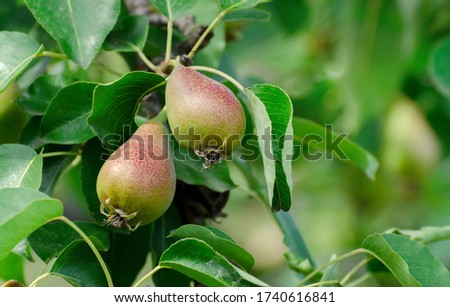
pixel 364 66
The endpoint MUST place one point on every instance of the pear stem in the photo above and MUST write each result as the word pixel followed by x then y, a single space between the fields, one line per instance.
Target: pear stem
pixel 220 73
pixel 205 34
pixel 211 27
pixel 41 277
pixel 61 56
pixel 144 59
pixel 54 55
pixel 334 260
pixel 169 33
pixel 59 153
pixel 147 276
pixel 359 280
pixel 354 270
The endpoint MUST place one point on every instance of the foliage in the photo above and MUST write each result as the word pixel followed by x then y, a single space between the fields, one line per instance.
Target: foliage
pixel 90 71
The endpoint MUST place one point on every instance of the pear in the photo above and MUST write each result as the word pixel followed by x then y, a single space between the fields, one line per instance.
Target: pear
pixel 136 184
pixel 203 114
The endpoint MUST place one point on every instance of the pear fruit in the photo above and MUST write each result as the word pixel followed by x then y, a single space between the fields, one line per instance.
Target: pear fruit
pixel 136 184
pixel 203 114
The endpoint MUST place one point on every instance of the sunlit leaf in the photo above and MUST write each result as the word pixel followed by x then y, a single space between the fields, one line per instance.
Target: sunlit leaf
pixel 272 112
pixel 80 26
pixel 65 121
pixel 20 166
pixel 11 267
pixel 16 52
pixel 22 211
pixel 409 261
pixel 426 235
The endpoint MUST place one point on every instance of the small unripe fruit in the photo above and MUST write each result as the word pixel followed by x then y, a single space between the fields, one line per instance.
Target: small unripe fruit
pixel 12 117
pixel 137 183
pixel 12 283
pixel 203 114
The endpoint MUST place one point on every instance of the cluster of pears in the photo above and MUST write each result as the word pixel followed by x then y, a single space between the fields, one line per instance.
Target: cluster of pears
pixel 137 183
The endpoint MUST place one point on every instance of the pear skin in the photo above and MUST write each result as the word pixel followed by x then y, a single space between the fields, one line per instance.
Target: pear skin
pixel 136 184
pixel 203 114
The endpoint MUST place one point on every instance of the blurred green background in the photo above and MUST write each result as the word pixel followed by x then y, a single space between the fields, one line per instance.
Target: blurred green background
pixel 363 66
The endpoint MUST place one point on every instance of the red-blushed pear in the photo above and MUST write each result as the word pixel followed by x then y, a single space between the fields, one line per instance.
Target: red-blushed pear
pixel 136 184
pixel 203 114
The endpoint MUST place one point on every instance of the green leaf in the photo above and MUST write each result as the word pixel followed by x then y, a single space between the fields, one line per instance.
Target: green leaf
pixel 199 261
pixel 49 240
pixel 115 104
pixel 240 4
pixel 331 273
pixel 178 7
pixel 80 26
pixel 292 236
pixel 213 52
pixel 189 169
pixel 22 211
pixel 78 265
pixel 54 167
pixel 410 262
pixel 36 99
pixel 219 243
pixel 441 66
pixel 16 52
pixel 30 135
pixel 160 242
pixel 92 159
pixel 247 15
pixel 11 267
pixel 130 31
pixel 426 235
pixel 20 166
pixel 272 111
pixel 128 255
pixel 320 138
pixel 65 119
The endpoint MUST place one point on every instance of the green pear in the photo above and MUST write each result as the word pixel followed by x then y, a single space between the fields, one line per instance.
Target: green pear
pixel 203 114
pixel 12 117
pixel 136 184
